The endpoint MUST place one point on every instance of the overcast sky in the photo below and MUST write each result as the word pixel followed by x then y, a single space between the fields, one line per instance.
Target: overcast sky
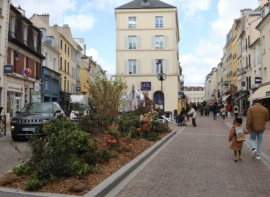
pixel 203 25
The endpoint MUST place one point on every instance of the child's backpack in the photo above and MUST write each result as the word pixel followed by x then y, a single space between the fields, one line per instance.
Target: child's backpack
pixel 239 134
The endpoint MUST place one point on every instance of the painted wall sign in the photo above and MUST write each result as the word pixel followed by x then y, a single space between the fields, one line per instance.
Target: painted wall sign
pixel 14 87
pixel 36 87
pixel 145 86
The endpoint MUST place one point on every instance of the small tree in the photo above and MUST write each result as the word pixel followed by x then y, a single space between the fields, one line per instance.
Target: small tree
pixel 106 96
pixel 147 105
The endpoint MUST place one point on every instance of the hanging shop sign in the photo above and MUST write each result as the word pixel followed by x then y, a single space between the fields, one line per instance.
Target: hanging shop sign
pixel 243 83
pixel 258 80
pixel 8 69
pixel 226 84
pixel 27 71
pixel 78 88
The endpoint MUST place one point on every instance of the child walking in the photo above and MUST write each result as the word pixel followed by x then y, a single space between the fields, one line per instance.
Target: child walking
pixel 236 146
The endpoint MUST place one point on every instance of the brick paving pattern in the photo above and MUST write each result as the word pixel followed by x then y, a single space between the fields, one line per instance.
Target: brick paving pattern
pixel 198 162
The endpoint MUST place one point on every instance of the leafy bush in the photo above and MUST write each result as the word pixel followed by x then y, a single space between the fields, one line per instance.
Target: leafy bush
pixel 33 183
pixel 98 157
pixel 57 155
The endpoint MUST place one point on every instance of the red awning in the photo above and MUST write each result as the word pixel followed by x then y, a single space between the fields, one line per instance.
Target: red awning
pixel 211 102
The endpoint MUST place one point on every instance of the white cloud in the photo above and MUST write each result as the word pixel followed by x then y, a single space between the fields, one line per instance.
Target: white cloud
pixel 58 12
pixel 80 22
pixel 105 65
pixel 191 7
pixel 55 8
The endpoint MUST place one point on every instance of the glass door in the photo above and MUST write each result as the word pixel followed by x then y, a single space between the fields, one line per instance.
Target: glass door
pixel 17 104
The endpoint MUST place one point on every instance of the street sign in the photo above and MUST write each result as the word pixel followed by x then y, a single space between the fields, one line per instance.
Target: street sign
pixel 258 80
pixel 181 93
pixel 145 86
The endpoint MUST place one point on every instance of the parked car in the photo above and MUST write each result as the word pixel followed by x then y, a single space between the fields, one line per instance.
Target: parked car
pixel 31 118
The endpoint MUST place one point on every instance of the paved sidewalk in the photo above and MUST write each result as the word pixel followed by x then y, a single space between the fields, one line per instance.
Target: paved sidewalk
pixel 198 162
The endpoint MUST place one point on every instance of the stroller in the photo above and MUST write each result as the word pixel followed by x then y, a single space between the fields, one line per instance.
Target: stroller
pixel 181 120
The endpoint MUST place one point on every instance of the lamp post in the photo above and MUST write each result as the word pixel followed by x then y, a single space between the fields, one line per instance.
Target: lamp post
pixel 161 76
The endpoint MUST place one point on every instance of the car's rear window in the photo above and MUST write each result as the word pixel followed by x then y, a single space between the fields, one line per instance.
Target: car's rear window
pixel 38 108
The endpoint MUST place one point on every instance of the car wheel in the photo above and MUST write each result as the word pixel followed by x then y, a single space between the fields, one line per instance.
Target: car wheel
pixel 15 138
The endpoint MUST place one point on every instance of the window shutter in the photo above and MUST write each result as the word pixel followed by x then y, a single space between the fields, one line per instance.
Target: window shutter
pixel 126 42
pixel 166 44
pixel 139 42
pixel 153 42
pixel 126 67
pixel 166 66
pixel 153 66
pixel 139 66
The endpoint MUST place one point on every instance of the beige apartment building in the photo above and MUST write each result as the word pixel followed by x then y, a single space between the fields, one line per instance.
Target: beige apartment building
pixel 194 94
pixel 147 37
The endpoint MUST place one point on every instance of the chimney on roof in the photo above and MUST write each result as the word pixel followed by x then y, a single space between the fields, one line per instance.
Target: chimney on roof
pixel 55 25
pixel 45 18
pixel 21 10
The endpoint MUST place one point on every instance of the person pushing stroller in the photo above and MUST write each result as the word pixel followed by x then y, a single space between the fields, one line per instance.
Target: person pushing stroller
pixel 181 118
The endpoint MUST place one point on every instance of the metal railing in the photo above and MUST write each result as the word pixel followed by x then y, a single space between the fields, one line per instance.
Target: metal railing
pixel 3 125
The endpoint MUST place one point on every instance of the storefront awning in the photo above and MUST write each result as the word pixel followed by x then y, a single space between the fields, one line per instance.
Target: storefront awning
pixel 261 93
pixel 210 102
pixel 225 97
pixel 239 97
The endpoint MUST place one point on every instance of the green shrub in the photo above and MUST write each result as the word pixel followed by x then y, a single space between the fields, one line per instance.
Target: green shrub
pixel 33 183
pixel 22 169
pixel 98 157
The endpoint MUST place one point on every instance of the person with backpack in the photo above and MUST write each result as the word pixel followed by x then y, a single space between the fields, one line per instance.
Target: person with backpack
pixel 236 111
pixel 236 142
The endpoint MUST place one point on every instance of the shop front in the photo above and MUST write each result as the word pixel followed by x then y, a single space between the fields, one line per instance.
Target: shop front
pixel 263 93
pixel 15 93
pixel 51 86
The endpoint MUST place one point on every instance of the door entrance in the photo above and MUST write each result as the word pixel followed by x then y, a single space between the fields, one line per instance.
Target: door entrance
pixel 159 100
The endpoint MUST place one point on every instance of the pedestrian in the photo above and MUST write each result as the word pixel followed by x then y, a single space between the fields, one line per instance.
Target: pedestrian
pixel 201 109
pixel 257 116
pixel 229 109
pixel 215 109
pixel 235 145
pixel 192 113
pixel 188 108
pixel 236 111
pixel 223 113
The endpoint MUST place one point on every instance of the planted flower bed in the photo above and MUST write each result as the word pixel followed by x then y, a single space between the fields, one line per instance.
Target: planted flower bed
pixel 70 161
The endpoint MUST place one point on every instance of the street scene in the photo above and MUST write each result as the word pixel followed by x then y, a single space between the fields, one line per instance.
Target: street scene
pixel 134 98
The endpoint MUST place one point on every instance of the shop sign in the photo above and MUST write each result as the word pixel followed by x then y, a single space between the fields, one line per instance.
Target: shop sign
pixel 145 86
pixel 226 84
pixel 8 69
pixel 181 93
pixel 258 80
pixel 78 88
pixel 27 71
pixel 36 87
pixel 14 87
pixel 243 83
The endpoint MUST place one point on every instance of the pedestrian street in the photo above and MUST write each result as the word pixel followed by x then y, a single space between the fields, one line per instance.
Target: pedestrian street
pixel 198 162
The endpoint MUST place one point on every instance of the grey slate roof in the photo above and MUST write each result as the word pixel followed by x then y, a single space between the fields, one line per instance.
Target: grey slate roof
pixel 136 4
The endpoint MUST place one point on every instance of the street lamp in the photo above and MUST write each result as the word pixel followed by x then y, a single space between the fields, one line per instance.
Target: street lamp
pixel 17 56
pixel 161 76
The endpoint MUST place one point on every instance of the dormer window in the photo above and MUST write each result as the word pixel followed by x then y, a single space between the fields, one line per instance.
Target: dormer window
pixel 12 21
pixel 35 41
pixel 25 33
pixel 145 2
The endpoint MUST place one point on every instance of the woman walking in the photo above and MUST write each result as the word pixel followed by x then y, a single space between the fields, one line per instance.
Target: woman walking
pixel 192 113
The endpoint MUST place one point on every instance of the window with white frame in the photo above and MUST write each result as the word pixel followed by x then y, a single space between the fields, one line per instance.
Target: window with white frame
pixel 12 25
pixel 159 21
pixel 159 64
pixel 35 41
pixel 132 66
pixel 159 42
pixel 132 42
pixel 25 32
pixel 132 22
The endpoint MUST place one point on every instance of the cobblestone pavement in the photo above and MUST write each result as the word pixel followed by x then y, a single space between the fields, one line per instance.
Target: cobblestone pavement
pixel 9 157
pixel 198 162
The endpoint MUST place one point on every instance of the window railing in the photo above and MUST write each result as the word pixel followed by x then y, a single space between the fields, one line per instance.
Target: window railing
pixel 132 25
pixel 159 25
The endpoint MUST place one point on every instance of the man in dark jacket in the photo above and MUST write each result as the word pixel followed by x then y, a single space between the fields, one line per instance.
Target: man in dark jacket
pixel 215 109
pixel 257 116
